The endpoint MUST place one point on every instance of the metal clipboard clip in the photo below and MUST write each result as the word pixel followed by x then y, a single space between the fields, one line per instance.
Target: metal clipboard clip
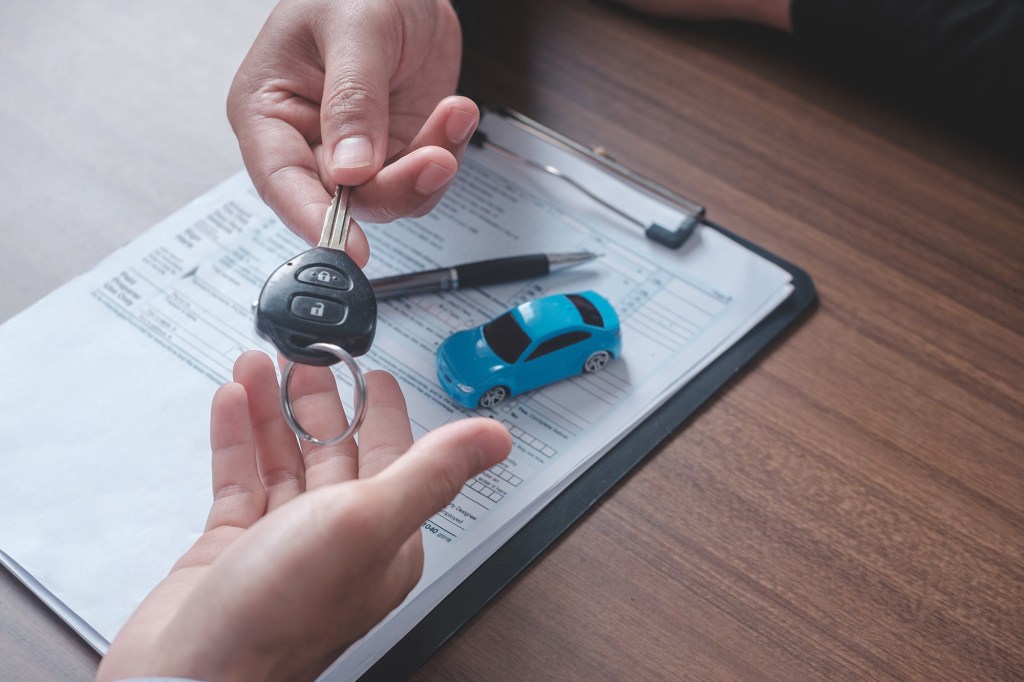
pixel 672 236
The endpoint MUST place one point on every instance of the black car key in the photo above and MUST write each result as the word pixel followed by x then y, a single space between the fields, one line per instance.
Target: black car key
pixel 320 296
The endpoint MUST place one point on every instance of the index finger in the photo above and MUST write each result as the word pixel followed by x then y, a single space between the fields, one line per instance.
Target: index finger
pixel 284 170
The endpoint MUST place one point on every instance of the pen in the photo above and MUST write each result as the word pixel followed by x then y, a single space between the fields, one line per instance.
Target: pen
pixel 478 274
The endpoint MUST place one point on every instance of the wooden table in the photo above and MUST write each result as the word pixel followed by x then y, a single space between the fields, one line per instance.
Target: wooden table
pixel 853 507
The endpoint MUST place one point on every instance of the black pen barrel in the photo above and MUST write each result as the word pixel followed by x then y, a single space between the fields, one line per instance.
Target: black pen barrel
pixel 501 270
pixel 470 275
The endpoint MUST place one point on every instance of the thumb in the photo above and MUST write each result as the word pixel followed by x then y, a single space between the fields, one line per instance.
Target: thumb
pixel 431 473
pixel 361 54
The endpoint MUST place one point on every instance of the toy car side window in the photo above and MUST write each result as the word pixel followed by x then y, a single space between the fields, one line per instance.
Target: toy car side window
pixel 557 343
pixel 506 338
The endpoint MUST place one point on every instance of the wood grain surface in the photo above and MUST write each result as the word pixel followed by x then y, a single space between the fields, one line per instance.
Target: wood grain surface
pixel 850 508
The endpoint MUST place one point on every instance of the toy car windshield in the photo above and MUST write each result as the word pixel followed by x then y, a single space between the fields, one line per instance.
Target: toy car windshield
pixel 506 338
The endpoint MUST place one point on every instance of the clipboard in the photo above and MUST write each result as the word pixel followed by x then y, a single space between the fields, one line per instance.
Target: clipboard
pixel 533 539
pixel 240 236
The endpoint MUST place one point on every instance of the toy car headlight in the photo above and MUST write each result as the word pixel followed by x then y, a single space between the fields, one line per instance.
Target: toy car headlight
pixel 464 388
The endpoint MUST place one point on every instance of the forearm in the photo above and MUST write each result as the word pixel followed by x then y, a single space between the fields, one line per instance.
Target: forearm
pixel 772 13
pixel 961 57
pixel 966 56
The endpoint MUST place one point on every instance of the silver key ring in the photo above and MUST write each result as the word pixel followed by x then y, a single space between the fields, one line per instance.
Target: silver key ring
pixel 358 401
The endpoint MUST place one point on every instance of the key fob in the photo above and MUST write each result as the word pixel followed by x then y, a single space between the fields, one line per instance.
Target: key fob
pixel 321 295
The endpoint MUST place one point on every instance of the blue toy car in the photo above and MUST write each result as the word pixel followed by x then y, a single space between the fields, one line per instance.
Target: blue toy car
pixel 536 343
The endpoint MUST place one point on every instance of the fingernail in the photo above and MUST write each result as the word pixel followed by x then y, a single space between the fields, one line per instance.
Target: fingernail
pixel 460 126
pixel 353 152
pixel 432 178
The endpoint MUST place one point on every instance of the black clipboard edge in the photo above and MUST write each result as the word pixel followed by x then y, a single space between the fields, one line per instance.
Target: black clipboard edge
pixel 534 538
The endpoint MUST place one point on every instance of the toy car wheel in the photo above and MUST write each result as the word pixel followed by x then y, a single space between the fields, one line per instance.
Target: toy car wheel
pixel 492 397
pixel 596 361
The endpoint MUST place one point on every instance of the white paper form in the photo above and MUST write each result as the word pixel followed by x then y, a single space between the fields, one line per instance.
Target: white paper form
pixel 106 475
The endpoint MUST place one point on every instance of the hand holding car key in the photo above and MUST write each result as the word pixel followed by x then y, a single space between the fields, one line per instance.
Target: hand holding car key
pixel 319 308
